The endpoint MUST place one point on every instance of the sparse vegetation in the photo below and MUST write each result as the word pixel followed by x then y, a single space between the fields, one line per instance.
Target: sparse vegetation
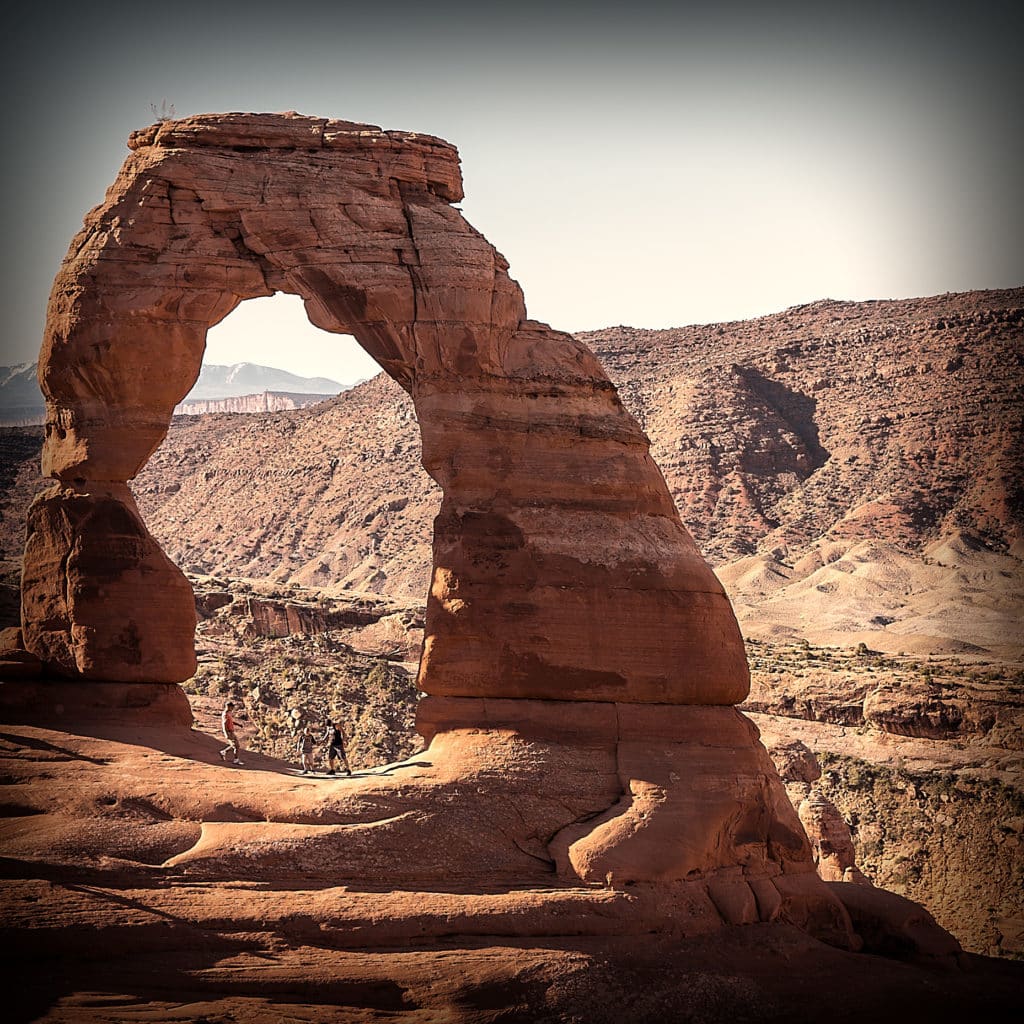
pixel 285 683
pixel 165 112
pixel 920 834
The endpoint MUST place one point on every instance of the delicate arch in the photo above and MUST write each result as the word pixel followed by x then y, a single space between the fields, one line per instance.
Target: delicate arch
pixel 561 568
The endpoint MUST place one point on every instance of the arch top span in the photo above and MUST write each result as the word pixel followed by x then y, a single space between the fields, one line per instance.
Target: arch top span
pixel 561 568
pixel 214 209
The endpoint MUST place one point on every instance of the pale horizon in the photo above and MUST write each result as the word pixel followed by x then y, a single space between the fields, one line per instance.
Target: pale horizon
pixel 653 167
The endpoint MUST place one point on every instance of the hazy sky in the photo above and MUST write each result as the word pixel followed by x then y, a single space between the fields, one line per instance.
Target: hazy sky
pixel 637 164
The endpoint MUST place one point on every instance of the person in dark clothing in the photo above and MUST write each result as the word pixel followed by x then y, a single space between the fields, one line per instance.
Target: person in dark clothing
pixel 335 742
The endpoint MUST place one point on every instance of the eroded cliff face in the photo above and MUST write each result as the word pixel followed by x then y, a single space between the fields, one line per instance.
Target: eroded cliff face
pixel 948 838
pixel 887 420
pixel 915 776
pixel 265 401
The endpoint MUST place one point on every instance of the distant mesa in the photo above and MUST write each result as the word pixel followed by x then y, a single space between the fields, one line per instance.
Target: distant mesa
pixel 251 388
pixel 265 401
pixel 241 388
pixel 219 382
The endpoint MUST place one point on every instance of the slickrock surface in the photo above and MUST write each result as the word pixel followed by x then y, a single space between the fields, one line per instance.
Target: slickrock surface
pixel 144 880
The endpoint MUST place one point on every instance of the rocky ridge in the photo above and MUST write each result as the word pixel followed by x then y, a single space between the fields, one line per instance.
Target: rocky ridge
pixel 723 409
pixel 918 404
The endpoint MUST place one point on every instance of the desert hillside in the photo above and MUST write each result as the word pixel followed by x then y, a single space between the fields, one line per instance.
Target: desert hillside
pixel 864 451
pixel 851 470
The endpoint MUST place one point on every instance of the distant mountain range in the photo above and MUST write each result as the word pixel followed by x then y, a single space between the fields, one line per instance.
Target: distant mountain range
pixel 20 399
pixel 22 403
pixel 218 382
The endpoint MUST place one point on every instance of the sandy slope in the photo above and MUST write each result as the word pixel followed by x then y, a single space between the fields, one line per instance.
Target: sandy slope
pixel 956 597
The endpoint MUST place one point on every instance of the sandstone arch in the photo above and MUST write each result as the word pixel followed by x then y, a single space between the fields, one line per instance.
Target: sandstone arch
pixel 561 569
pixel 580 657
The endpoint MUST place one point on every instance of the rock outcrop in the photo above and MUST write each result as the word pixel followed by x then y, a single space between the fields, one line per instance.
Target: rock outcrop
pixel 131 856
pixel 826 829
pixel 580 658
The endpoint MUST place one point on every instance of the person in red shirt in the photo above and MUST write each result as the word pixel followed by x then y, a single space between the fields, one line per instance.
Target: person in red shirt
pixel 227 727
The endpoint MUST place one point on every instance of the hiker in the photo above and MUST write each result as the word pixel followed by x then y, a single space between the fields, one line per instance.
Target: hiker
pixel 227 727
pixel 335 748
pixel 305 748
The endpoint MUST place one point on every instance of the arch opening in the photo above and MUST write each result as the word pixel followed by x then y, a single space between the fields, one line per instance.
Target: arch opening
pixel 274 331
pixel 277 497
pixel 304 532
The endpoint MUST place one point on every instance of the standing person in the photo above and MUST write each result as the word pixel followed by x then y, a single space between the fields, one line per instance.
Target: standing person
pixel 227 727
pixel 335 748
pixel 305 748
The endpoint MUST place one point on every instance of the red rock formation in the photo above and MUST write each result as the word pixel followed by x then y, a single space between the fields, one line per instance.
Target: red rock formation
pixel 100 600
pixel 119 837
pixel 561 569
pixel 827 831
pixel 581 656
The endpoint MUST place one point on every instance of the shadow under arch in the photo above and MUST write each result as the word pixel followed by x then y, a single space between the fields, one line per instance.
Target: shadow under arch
pixel 560 567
